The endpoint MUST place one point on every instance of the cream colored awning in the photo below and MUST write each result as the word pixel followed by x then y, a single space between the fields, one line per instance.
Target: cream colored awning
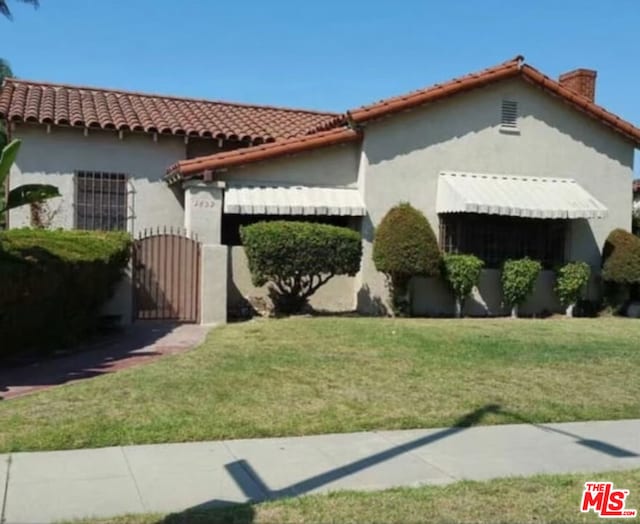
pixel 519 196
pixel 293 200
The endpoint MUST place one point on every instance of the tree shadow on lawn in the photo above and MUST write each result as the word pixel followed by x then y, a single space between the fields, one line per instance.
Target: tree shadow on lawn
pixel 221 511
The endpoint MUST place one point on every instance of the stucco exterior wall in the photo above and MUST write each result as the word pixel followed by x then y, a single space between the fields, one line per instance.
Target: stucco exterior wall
pixel 432 298
pixel 334 166
pixel 54 158
pixel 331 166
pixel 403 155
pixel 337 295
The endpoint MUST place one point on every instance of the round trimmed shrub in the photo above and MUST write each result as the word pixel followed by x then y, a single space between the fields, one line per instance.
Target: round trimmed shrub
pixel 405 246
pixel 297 258
pixel 571 281
pixel 621 266
pixel 518 280
pixel 621 258
pixel 462 273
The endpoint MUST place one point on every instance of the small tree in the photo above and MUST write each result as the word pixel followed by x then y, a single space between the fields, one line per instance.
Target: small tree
pixel 296 258
pixel 405 246
pixel 462 273
pixel 571 282
pixel 621 262
pixel 25 194
pixel 518 280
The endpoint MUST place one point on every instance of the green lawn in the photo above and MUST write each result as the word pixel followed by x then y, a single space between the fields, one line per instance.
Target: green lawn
pixel 319 375
pixel 545 498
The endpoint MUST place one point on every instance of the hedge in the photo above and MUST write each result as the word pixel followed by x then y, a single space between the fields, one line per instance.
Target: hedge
pixel 462 274
pixel 297 258
pixel 571 281
pixel 621 267
pixel 518 280
pixel 53 285
pixel 405 246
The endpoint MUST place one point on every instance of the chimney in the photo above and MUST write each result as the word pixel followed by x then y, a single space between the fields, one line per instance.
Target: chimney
pixel 582 81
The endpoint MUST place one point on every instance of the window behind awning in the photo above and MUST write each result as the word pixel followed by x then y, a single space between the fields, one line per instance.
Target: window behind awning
pixel 519 196
pixel 292 200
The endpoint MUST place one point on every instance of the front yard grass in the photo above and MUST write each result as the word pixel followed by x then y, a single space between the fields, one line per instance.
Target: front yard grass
pixel 302 376
pixel 544 498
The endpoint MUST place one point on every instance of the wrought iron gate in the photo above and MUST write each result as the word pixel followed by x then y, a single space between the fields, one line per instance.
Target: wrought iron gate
pixel 166 276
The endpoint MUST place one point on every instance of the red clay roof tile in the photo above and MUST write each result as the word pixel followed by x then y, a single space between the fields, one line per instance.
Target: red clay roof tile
pixel 59 104
pixel 247 155
pixel 435 92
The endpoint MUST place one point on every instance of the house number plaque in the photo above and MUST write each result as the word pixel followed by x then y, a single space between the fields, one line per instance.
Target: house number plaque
pixel 204 203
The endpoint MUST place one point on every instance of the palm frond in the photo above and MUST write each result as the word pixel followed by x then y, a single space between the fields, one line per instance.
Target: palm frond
pixel 5 70
pixel 5 11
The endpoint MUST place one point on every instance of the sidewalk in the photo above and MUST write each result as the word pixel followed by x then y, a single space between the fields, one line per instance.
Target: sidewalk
pixel 50 486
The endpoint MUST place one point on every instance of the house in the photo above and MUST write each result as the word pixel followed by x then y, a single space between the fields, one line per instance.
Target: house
pixel 504 162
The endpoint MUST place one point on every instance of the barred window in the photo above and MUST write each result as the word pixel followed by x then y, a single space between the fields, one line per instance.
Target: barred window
pixel 495 239
pixel 101 201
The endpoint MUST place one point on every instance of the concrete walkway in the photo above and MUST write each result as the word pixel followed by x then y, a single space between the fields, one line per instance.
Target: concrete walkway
pixel 137 344
pixel 49 486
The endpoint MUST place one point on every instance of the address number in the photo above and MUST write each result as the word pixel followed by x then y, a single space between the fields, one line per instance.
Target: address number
pixel 204 203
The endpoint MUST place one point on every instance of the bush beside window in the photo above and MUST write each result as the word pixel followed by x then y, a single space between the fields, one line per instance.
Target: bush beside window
pixel 53 285
pixel 518 280
pixel 621 266
pixel 297 258
pixel 571 281
pixel 462 273
pixel 405 246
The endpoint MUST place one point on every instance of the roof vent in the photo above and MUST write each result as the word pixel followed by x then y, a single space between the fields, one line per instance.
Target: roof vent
pixel 509 118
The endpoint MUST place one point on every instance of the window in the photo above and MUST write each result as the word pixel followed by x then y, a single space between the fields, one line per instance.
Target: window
pixel 231 223
pixel 509 118
pixel 101 201
pixel 495 239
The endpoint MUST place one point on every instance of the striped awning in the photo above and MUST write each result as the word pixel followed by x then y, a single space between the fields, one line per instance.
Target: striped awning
pixel 519 196
pixel 293 200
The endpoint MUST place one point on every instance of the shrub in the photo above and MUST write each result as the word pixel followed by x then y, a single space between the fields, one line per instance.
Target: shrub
pixel 462 273
pixel 621 264
pixel 296 258
pixel 571 281
pixel 54 283
pixel 518 279
pixel 635 221
pixel 405 246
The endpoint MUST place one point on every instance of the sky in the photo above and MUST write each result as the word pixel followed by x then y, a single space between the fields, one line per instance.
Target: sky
pixel 329 54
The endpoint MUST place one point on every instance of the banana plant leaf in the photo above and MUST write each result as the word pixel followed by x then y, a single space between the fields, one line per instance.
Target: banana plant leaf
pixel 7 158
pixel 29 194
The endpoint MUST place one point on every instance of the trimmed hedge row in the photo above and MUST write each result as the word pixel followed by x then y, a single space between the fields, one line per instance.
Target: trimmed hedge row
pixel 53 285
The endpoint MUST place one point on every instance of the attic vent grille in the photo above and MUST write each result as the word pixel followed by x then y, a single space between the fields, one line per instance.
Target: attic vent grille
pixel 509 114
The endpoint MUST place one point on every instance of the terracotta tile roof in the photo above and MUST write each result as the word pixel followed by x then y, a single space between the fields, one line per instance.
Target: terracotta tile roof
pixel 58 104
pixel 247 155
pixel 581 103
pixel 435 92
pixel 510 69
